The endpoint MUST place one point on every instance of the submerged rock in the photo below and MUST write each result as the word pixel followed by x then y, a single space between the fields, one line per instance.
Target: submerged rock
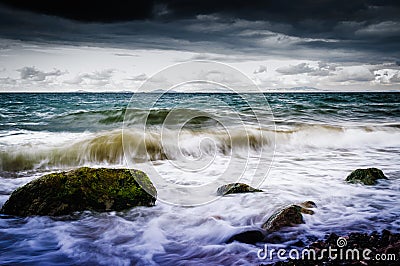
pixel 365 176
pixel 288 216
pixel 82 189
pixel 248 237
pixel 236 188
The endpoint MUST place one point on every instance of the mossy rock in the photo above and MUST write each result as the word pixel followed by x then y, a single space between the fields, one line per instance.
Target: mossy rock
pixel 96 189
pixel 366 176
pixel 236 188
pixel 288 216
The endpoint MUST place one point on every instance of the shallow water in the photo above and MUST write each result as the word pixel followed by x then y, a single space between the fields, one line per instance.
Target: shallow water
pixel 319 140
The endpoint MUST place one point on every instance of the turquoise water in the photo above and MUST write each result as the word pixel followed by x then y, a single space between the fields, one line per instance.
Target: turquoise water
pixel 315 139
pixel 74 112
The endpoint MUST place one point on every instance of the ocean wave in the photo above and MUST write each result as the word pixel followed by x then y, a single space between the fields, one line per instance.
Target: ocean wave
pixel 152 117
pixel 107 147
pixel 350 137
pixel 108 119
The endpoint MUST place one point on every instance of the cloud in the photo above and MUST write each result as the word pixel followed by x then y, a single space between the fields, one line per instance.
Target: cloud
pixel 98 78
pixel 7 81
pixel 353 74
pixel 395 78
pixel 304 30
pixel 231 58
pixel 295 69
pixel 100 11
pixel 32 73
pixel 387 76
pixel 99 75
pixel 323 69
pixel 125 54
pixel 141 77
pixel 261 69
pixel 381 29
pixel 301 12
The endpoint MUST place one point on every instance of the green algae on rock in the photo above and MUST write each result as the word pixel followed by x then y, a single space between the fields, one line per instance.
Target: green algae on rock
pixel 365 176
pixel 288 216
pixel 236 188
pixel 96 189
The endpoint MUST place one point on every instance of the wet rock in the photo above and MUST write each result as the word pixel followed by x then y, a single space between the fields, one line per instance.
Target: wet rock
pixel 236 188
pixel 82 189
pixel 288 216
pixel 365 176
pixel 248 237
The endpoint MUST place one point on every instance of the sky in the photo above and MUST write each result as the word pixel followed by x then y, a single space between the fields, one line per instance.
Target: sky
pixel 117 45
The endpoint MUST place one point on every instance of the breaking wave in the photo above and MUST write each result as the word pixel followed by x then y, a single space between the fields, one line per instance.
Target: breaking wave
pixel 107 147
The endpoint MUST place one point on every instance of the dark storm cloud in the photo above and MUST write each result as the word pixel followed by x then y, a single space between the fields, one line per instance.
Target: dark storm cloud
pixel 345 31
pixel 88 10
pixel 283 10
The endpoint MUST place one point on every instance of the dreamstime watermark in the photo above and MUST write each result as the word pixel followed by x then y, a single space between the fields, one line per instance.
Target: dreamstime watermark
pixel 331 253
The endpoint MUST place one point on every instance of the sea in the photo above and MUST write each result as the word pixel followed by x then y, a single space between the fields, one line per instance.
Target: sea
pixel 293 146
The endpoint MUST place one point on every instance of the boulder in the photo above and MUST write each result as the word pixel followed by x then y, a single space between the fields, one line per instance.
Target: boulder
pixel 81 189
pixel 365 176
pixel 236 188
pixel 248 237
pixel 288 216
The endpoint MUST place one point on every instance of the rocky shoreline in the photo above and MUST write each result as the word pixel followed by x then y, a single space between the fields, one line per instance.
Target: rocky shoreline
pixel 353 249
pixel 105 189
